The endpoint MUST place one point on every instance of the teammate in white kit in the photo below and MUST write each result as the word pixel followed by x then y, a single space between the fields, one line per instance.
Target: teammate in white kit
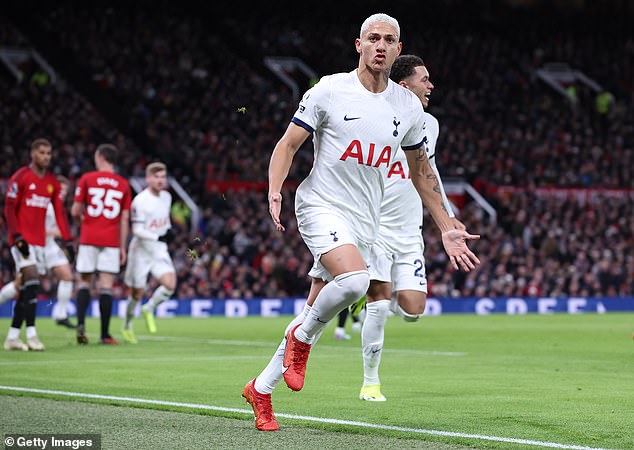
pixel 148 253
pixel 396 263
pixel 358 121
pixel 56 261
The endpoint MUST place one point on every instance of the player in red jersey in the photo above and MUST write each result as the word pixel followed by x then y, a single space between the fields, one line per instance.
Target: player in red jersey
pixel 102 206
pixel 30 191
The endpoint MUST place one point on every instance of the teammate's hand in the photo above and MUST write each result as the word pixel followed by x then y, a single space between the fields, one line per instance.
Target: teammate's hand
pixel 167 237
pixel 21 245
pixel 123 256
pixel 455 243
pixel 275 208
pixel 68 249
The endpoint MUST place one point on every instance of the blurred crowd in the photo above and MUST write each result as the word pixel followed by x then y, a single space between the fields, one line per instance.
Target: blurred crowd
pixel 197 97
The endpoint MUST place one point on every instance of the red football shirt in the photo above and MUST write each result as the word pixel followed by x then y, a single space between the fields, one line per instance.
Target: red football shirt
pixel 105 195
pixel 25 206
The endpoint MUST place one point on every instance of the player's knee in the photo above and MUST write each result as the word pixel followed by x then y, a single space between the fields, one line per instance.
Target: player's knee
pixel 354 284
pixel 408 317
pixel 410 309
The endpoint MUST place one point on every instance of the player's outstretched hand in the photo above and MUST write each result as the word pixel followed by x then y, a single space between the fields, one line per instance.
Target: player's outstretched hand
pixel 455 243
pixel 275 208
pixel 21 245
pixel 457 224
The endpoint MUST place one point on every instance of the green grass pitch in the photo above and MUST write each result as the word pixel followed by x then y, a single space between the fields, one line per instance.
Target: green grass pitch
pixel 563 381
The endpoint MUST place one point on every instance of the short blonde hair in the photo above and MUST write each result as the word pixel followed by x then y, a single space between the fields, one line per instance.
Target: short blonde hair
pixel 155 167
pixel 380 17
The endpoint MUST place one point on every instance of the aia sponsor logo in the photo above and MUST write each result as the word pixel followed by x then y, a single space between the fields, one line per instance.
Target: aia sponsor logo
pixel 368 157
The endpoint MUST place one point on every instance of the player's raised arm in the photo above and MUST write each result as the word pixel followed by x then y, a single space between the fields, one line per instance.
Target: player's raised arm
pixel 426 183
pixel 279 166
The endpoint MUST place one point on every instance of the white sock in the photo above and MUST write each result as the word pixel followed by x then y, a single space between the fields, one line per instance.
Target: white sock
pixel 159 295
pixel 30 332
pixel 129 313
pixel 14 333
pixel 340 293
pixel 8 292
pixel 64 291
pixel 272 373
pixel 372 336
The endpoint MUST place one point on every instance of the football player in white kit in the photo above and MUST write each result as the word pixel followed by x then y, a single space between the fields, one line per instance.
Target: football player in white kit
pixel 148 252
pixel 396 263
pixel 358 121
pixel 56 261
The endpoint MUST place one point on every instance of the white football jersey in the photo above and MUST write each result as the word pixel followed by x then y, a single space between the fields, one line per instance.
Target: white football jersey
pixel 402 209
pixel 152 211
pixel 50 223
pixel 356 135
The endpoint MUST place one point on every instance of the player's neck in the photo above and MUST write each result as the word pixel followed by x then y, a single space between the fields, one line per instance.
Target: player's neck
pixel 155 192
pixel 373 81
pixel 39 171
pixel 106 168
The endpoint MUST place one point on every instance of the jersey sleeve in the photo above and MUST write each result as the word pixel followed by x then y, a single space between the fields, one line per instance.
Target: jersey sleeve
pixel 415 136
pixel 137 214
pixel 12 199
pixel 60 212
pixel 80 191
pixel 313 106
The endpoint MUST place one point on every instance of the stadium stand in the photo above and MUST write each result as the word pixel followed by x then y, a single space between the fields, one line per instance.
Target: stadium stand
pixel 193 91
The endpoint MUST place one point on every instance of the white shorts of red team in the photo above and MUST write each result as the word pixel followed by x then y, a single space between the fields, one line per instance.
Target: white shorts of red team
pixel 44 258
pixel 404 269
pixel 91 259
pixel 323 232
pixel 145 258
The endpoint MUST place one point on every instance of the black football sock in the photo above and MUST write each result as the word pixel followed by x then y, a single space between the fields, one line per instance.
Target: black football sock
pixel 29 292
pixel 105 309
pixel 83 301
pixel 343 315
pixel 18 312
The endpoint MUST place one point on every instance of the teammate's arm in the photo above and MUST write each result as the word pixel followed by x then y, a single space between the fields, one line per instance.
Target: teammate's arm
pixel 124 230
pixel 60 216
pixel 426 183
pixel 77 208
pixel 279 166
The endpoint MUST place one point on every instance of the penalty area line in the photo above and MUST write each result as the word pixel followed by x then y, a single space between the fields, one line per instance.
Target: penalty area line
pixel 299 417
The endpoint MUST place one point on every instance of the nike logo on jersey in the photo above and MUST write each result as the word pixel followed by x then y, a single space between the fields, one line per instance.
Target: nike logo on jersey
pixel 320 321
pixel 346 118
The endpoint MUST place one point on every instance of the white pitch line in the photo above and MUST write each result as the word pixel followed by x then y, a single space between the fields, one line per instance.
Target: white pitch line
pixel 104 360
pixel 306 418
pixel 270 344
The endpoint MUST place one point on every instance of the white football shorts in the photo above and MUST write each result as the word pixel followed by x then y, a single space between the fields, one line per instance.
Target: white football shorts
pixel 36 258
pixel 323 232
pixel 54 256
pixel 406 271
pixel 91 259
pixel 144 259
